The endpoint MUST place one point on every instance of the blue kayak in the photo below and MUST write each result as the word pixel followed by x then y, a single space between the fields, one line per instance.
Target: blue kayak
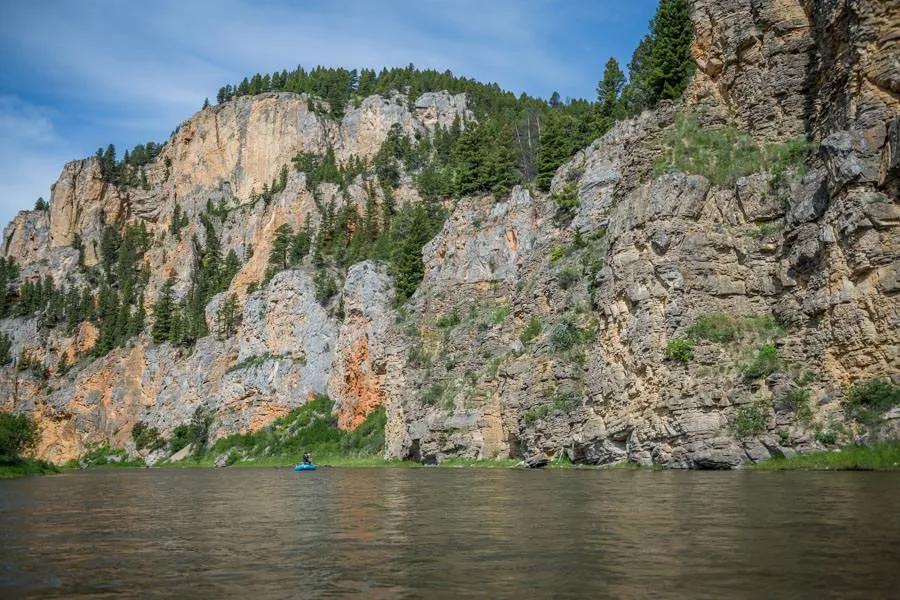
pixel 305 467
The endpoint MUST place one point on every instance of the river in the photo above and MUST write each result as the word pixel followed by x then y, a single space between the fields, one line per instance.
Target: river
pixel 447 533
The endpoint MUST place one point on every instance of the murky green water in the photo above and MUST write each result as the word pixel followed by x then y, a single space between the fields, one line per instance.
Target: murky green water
pixel 272 533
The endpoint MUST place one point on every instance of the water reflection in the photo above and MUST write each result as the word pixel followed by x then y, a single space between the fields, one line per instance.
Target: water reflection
pixel 272 533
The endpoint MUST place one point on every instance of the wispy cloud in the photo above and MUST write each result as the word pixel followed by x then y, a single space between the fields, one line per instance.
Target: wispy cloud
pixel 75 75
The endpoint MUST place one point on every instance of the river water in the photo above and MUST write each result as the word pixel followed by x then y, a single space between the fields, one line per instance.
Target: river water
pixel 449 533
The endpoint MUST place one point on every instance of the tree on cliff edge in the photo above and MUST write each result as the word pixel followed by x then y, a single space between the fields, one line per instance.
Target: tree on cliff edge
pixel 671 63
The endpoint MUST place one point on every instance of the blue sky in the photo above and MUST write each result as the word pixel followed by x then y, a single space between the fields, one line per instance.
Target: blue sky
pixel 75 75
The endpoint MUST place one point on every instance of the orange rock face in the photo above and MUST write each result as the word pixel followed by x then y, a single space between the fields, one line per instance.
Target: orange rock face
pixel 363 387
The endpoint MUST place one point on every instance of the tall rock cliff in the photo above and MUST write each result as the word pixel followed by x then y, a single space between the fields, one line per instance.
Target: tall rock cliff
pixel 655 316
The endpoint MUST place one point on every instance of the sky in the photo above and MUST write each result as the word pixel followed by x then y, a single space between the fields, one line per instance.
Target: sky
pixel 79 74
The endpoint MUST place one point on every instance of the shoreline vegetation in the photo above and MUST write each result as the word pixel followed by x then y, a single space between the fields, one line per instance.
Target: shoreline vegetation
pixel 882 457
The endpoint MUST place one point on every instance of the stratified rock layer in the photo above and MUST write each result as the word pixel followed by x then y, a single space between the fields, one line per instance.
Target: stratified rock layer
pixel 536 332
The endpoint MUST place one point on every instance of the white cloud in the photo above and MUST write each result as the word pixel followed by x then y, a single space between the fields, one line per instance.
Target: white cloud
pixel 31 155
pixel 24 123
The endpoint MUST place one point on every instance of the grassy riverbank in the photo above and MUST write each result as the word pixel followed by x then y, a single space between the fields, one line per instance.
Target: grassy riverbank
pixel 26 467
pixel 883 457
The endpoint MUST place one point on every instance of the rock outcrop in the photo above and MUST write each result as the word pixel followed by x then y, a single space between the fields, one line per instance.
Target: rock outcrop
pixel 537 331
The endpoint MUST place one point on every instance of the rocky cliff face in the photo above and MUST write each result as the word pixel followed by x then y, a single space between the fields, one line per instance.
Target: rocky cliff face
pixel 535 329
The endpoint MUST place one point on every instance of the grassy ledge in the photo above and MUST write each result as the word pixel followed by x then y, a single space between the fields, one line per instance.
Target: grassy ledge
pixel 883 457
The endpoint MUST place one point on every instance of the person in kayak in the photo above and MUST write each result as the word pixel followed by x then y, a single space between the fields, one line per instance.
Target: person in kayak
pixel 306 459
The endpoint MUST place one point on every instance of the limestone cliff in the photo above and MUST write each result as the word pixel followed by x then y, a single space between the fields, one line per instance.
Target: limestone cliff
pixel 535 329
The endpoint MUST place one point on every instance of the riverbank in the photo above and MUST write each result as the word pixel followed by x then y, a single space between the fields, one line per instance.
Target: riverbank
pixel 883 457
pixel 27 467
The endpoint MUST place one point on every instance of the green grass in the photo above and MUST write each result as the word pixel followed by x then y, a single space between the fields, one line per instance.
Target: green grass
pixel 725 154
pixel 26 467
pixel 723 328
pixel 884 457
pixel 481 463
pixel 562 402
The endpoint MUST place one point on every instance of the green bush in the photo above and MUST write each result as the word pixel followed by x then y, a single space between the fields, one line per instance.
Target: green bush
pixel 499 315
pixel 448 321
pixel 566 202
pixel 103 454
pixel 797 399
pixel 866 401
pixel 567 277
pixel 368 437
pixel 566 335
pixel 680 349
pixel 5 342
pixel 531 331
pixel 254 360
pixel 18 435
pixel 311 428
pixel 146 437
pixel 433 394
pixel 558 252
pixel 750 419
pixel 326 287
pixel 763 364
pixel 826 436
pixel 195 432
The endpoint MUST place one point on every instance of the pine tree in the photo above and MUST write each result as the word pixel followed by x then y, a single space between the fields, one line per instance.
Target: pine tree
pixel 230 268
pixel 671 62
pixel 227 318
pixel 138 318
pixel 412 228
pixel 5 347
pixel 469 156
pixel 500 170
pixel 563 134
pixel 164 325
pixel 281 245
pixel 608 91
pixel 637 95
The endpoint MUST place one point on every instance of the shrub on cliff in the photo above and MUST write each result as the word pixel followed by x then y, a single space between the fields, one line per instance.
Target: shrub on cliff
pixel 532 330
pixel 750 419
pixel 680 349
pixel 866 401
pixel 764 363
